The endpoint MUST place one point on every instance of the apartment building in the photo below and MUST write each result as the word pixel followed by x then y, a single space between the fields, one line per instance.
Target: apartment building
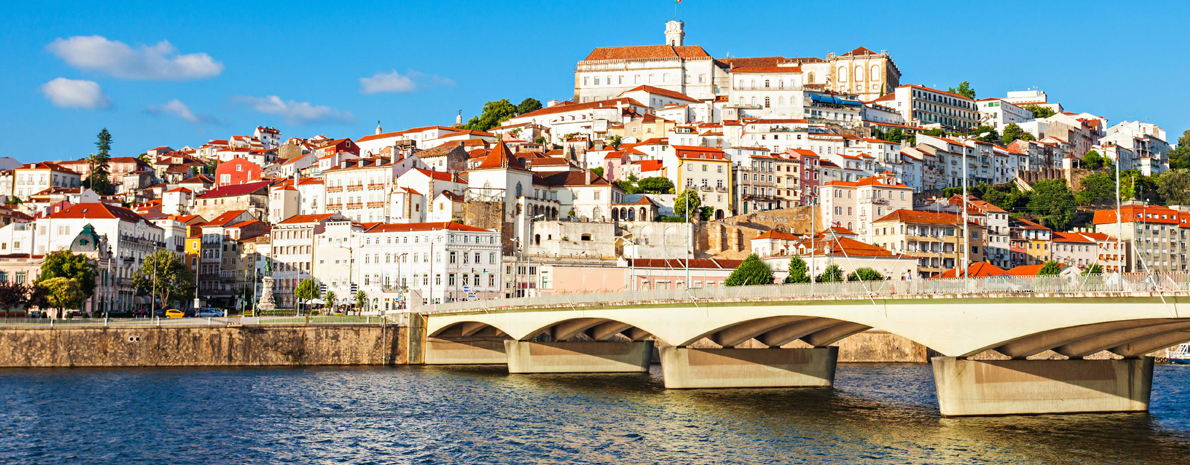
pixel 854 205
pixel 933 239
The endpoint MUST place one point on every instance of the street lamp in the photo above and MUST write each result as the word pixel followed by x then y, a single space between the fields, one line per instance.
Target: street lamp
pixel 966 234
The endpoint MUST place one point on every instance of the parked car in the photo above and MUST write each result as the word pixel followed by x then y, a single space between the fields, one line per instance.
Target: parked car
pixel 210 312
pixel 174 313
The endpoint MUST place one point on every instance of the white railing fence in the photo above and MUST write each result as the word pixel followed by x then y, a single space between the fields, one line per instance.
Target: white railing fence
pixel 997 285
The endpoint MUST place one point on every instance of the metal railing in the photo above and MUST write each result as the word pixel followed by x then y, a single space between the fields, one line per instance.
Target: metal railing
pixel 200 321
pixel 1006 286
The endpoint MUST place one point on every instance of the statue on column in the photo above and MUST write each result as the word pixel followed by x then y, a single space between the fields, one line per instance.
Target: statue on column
pixel 266 295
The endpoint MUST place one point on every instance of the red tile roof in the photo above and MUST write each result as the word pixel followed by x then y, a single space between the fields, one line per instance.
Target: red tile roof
pixel 98 211
pixel 976 270
pixel 1025 270
pixel 500 157
pixel 662 92
pixel 922 217
pixel 646 51
pixel 766 69
pixel 407 227
pixel 302 219
pixel 235 190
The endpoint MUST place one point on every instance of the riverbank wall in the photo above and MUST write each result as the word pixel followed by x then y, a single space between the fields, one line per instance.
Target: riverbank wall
pixel 201 346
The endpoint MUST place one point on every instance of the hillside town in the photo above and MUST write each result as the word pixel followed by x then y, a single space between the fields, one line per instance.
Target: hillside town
pixel 666 169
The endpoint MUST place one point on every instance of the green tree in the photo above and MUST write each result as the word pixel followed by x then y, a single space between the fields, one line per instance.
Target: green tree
pixel 688 199
pixel 100 165
pixel 1098 189
pixel 163 276
pixel 894 135
pixel 13 296
pixel 656 185
pixel 493 113
pixel 992 136
pixel 144 156
pixel 832 274
pixel 1137 186
pixel 62 294
pixel 307 290
pixel 798 272
pixel 540 140
pixel 627 187
pixel 616 141
pixel 331 298
pixel 598 171
pixel 865 274
pixel 1053 203
pixel 1093 268
pixel 1040 112
pixel 528 105
pixel 1174 186
pixel 935 133
pixel 1179 157
pixel 1012 133
pixel 964 89
pixel 65 264
pixel 209 167
pixel 750 273
pixel 361 301
pixel 1049 269
pixel 1093 161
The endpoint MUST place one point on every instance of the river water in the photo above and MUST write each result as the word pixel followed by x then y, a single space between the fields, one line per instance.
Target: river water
pixel 877 414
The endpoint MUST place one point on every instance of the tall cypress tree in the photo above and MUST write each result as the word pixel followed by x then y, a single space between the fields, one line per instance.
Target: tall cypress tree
pixel 100 169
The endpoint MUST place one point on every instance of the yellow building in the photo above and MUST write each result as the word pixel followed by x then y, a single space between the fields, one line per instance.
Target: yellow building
pixel 933 239
pixel 704 169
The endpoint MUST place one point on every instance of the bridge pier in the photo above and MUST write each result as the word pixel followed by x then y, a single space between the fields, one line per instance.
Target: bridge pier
pixel 686 368
pixel 477 351
pixel 1023 387
pixel 578 357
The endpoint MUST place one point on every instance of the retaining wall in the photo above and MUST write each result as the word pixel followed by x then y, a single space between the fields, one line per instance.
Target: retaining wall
pixel 203 346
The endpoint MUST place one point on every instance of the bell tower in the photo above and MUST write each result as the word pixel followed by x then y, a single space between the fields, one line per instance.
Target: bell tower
pixel 674 33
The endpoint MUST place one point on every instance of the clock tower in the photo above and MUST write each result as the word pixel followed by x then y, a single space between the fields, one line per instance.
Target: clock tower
pixel 674 33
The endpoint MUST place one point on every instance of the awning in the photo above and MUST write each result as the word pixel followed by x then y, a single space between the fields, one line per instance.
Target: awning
pixel 830 99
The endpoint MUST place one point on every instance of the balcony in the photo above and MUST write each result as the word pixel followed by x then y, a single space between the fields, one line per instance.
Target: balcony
pixel 375 186
pixel 355 188
pixel 331 190
pixel 721 189
pixel 375 204
pixel 354 206
pixel 334 206
pixel 704 188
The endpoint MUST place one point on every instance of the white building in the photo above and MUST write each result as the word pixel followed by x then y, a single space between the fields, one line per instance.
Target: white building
pixel 854 205
pixel 443 262
pixel 999 113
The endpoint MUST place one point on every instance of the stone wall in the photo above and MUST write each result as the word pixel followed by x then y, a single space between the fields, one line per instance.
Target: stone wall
pixel 203 346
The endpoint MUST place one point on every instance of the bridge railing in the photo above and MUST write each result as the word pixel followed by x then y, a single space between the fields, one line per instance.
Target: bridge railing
pixel 996 285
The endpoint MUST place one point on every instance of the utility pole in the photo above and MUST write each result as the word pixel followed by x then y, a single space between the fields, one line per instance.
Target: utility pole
pixel 689 240
pixel 1119 222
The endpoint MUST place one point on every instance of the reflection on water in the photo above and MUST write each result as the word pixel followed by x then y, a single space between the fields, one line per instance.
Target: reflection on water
pixel 878 414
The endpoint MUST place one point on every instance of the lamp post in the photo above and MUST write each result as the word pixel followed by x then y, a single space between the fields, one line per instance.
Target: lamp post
pixel 966 233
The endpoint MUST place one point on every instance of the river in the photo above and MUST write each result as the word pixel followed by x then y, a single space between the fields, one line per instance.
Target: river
pixel 877 414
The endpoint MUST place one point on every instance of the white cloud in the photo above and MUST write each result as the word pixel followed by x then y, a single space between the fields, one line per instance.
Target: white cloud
pixel 179 109
pixel 295 112
pixel 71 93
pixel 396 82
pixel 160 62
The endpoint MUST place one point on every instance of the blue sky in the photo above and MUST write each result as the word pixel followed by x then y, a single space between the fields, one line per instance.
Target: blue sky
pixel 104 63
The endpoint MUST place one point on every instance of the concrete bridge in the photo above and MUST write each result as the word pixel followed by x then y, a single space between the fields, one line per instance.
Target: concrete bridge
pixel 1126 316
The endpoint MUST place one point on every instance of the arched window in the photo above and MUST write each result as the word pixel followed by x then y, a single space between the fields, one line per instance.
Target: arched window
pixel 767 102
pixel 766 83
pixel 842 74
pixel 753 83
pixel 875 73
pixel 754 100
pixel 810 78
pixel 518 189
pixel 781 101
pixel 859 73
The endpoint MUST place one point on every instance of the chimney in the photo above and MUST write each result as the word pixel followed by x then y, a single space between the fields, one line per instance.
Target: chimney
pixel 588 173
